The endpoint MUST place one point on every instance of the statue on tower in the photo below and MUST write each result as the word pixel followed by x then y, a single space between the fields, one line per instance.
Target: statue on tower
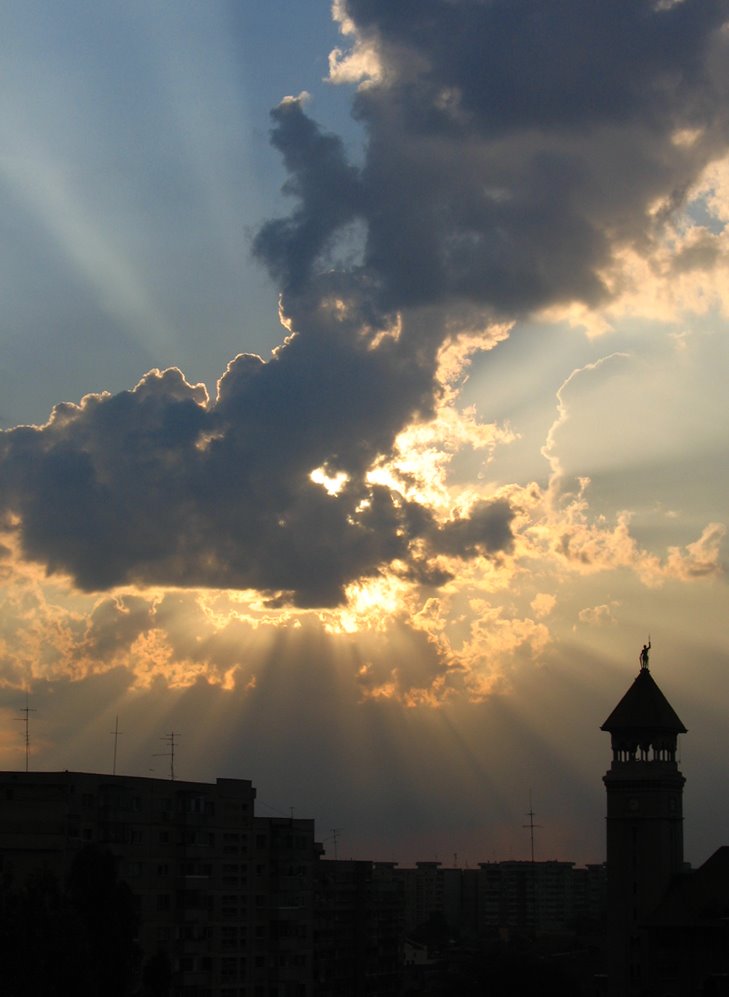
pixel 644 654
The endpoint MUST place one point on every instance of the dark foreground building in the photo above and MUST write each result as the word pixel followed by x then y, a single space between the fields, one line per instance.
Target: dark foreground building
pixel 220 902
pixel 668 926
pixel 163 888
pixel 358 929
pixel 134 886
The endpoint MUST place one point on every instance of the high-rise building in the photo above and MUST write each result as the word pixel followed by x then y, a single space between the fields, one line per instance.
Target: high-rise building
pixel 358 929
pixel 225 898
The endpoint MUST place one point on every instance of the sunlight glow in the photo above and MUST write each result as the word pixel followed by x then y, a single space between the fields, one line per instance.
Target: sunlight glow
pixel 362 63
pixel 369 605
pixel 419 470
pixel 332 484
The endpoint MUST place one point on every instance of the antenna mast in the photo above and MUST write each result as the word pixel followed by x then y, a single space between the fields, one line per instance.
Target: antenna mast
pixel 116 732
pixel 531 825
pixel 26 711
pixel 170 738
pixel 336 831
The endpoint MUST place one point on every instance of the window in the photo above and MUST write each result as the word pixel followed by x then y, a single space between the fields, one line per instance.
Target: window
pixel 229 906
pixel 228 968
pixel 193 805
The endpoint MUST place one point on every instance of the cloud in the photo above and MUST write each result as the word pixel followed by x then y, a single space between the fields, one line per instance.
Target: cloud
pixel 702 558
pixel 602 615
pixel 543 603
pixel 160 486
pixel 115 624
pixel 514 155
pixel 326 186
pixel 514 148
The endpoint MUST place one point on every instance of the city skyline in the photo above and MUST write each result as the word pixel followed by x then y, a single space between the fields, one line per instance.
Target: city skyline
pixel 390 407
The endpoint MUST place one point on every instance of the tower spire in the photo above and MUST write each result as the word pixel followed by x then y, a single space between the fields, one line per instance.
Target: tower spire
pixel 644 817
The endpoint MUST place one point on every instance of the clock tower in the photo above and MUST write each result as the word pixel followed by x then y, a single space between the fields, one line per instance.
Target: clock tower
pixel 644 819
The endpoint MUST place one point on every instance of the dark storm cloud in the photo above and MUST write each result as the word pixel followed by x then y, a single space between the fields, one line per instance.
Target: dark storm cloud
pixel 487 530
pixel 512 145
pixel 154 486
pixel 544 63
pixel 326 185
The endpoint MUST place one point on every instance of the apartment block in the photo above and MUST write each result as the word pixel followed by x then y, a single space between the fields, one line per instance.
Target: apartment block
pixel 224 896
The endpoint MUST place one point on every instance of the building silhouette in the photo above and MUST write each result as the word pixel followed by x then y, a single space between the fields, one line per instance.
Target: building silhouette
pixel 230 904
pixel 668 925
pixel 358 929
pixel 224 898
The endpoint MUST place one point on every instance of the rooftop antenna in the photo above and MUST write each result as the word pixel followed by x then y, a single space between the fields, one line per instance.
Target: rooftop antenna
pixel 116 732
pixel 26 711
pixel 170 738
pixel 531 825
pixel 336 831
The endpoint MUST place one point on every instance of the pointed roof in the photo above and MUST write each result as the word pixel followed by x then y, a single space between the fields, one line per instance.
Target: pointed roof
pixel 644 708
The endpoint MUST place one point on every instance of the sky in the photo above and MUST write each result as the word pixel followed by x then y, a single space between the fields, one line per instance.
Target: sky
pixel 363 404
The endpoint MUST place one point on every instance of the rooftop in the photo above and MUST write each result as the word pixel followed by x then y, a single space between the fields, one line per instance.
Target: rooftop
pixel 644 708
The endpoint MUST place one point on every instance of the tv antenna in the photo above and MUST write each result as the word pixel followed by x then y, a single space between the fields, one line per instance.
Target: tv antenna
pixel 531 825
pixel 336 831
pixel 116 732
pixel 26 711
pixel 170 738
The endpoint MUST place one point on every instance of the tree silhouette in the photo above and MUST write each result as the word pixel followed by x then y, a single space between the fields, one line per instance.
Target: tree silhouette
pixel 75 938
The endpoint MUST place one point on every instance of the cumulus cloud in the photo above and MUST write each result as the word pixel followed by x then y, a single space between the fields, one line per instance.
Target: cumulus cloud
pixel 514 147
pixel 599 616
pixel 158 486
pixel 513 151
pixel 700 559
